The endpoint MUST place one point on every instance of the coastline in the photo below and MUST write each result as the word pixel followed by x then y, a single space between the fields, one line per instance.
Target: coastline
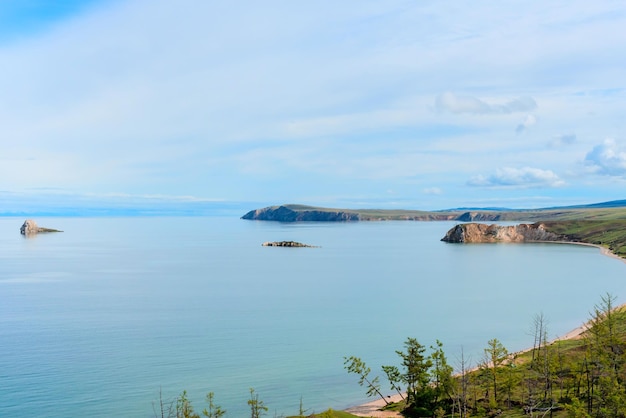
pixel 603 250
pixel 372 408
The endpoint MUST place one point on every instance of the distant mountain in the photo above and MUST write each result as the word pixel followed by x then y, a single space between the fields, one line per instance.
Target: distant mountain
pixel 611 204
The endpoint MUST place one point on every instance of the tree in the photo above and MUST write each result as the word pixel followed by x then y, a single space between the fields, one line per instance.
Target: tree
pixel 416 374
pixel 605 361
pixel 301 410
pixel 495 355
pixel 355 365
pixel 184 409
pixel 395 379
pixel 257 407
pixel 213 411
pixel 540 372
pixel 461 393
pixel 441 374
pixel 164 411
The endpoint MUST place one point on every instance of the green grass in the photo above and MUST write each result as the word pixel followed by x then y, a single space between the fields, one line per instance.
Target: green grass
pixel 610 234
pixel 532 215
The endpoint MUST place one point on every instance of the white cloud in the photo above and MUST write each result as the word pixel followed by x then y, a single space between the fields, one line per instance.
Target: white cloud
pixel 468 104
pixel 608 158
pixel 528 121
pixel 526 177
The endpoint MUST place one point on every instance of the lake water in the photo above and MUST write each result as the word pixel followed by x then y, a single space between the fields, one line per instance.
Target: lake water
pixel 95 321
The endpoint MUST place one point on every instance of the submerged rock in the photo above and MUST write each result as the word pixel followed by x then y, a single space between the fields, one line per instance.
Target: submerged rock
pixel 30 227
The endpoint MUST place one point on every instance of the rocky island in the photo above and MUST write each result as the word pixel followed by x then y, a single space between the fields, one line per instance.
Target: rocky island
pixel 287 244
pixel 30 227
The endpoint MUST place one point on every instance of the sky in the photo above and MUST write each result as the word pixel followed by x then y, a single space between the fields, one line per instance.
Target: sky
pixel 355 104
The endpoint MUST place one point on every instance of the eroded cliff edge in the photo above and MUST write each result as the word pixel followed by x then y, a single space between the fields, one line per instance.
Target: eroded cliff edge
pixel 475 232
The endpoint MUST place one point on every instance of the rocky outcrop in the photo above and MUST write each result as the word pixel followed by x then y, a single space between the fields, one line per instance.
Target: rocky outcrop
pixel 475 232
pixel 285 214
pixel 479 216
pixel 30 227
pixel 286 244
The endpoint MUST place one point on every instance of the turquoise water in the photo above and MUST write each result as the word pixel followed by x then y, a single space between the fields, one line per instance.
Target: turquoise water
pixel 95 321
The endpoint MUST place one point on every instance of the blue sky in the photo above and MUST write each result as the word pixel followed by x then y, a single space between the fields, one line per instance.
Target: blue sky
pixel 416 105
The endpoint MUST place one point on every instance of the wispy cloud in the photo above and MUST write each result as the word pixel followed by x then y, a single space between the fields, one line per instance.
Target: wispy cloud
pixel 432 190
pixel 526 177
pixel 450 102
pixel 562 140
pixel 279 100
pixel 528 121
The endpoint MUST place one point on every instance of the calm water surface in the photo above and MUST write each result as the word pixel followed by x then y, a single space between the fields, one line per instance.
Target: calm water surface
pixel 96 320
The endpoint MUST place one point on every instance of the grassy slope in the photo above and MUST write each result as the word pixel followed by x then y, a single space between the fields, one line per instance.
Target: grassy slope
pixel 610 234
pixel 600 213
pixel 328 414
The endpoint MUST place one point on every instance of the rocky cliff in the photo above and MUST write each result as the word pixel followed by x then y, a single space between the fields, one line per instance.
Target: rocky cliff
pixel 474 232
pixel 285 214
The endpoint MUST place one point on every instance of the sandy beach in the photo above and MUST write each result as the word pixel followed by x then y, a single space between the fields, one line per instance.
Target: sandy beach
pixel 372 409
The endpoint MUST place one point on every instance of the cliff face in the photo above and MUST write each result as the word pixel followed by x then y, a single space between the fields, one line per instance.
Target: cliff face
pixel 285 214
pixel 473 232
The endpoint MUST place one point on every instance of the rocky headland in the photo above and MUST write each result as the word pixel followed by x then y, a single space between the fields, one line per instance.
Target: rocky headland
pixel 301 213
pixel 477 233
pixel 288 214
pixel 30 227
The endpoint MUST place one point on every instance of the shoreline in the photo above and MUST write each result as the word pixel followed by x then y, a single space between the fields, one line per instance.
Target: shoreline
pixel 603 250
pixel 372 409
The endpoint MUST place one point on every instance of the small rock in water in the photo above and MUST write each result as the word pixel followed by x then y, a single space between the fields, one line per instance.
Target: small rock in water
pixel 286 244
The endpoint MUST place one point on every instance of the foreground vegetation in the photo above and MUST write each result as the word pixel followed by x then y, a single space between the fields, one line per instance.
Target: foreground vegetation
pixel 584 377
pixel 580 377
